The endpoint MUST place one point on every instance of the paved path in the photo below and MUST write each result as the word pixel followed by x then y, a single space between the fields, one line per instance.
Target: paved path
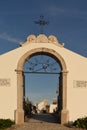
pixel 42 122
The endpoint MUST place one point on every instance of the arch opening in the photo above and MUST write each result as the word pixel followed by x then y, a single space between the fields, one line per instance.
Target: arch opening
pixel 63 113
pixel 41 74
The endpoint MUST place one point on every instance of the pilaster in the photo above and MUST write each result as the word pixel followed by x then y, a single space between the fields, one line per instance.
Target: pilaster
pixel 64 111
pixel 19 113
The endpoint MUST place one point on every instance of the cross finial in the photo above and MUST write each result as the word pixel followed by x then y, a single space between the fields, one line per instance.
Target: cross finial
pixel 41 22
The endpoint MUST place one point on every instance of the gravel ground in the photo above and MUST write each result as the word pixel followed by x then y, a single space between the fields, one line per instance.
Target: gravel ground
pixel 41 122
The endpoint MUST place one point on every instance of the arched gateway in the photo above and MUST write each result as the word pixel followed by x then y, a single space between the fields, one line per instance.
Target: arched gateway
pixel 11 78
pixel 23 59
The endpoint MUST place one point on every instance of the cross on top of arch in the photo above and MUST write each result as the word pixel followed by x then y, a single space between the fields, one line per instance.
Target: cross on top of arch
pixel 42 39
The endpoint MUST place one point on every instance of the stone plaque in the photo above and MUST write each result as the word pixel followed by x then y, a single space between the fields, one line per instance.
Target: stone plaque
pixel 5 82
pixel 80 84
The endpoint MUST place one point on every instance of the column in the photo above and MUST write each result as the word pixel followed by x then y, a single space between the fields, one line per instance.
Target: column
pixel 19 113
pixel 64 111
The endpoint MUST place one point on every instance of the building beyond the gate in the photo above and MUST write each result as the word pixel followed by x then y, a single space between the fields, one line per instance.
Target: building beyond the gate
pixel 74 78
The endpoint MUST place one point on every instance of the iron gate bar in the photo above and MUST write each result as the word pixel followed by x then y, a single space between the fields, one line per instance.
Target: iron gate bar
pixel 41 72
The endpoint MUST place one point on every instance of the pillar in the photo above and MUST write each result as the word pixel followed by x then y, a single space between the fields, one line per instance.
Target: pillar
pixel 19 113
pixel 64 111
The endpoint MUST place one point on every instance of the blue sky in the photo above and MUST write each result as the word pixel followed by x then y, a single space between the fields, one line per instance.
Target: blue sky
pixel 38 85
pixel 67 21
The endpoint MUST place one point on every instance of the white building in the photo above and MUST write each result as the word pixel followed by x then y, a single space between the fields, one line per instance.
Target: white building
pixel 73 77
pixel 42 105
pixel 53 108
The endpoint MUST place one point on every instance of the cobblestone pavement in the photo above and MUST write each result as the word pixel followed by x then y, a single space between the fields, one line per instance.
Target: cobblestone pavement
pixel 42 122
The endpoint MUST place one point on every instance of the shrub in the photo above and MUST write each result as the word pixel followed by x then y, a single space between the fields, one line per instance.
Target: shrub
pixel 81 123
pixel 5 123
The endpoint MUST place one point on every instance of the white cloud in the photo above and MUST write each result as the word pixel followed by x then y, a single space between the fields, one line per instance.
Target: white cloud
pixel 7 37
pixel 69 12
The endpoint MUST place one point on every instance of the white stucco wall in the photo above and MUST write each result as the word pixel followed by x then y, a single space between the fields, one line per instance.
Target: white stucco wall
pixel 76 66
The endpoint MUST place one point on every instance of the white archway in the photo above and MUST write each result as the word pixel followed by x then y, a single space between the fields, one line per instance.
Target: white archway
pixel 19 114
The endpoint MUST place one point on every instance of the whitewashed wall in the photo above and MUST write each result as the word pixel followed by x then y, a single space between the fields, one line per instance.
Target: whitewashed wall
pixel 76 66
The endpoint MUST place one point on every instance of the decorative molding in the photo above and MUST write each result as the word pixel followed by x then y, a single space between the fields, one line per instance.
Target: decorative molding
pixel 31 38
pixel 50 52
pixel 42 39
